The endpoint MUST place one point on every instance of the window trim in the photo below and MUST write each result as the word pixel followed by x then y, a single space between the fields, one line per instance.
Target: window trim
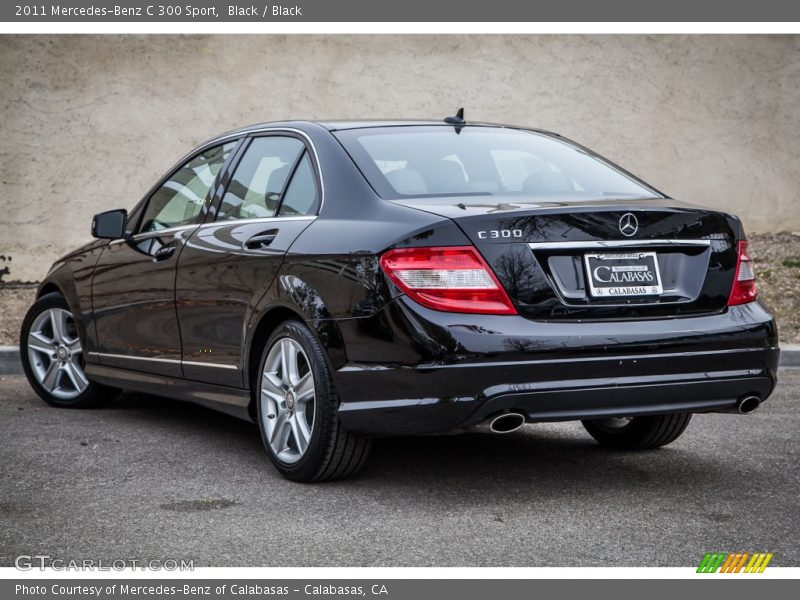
pixel 230 170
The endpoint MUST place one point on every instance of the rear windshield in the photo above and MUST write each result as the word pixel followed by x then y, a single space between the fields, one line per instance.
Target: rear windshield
pixel 418 161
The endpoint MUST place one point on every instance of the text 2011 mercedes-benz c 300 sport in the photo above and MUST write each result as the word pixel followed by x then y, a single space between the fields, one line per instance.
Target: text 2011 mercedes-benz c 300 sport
pixel 340 281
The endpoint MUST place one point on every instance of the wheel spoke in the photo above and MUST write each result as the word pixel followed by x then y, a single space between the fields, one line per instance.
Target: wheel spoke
pixel 284 362
pixel 39 343
pixel 280 433
pixel 74 347
pixel 76 376
pixel 51 376
pixel 300 432
pixel 304 390
pixel 271 385
pixel 289 362
pixel 58 321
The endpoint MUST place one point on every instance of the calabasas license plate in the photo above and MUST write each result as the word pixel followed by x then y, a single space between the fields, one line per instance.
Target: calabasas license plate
pixel 617 275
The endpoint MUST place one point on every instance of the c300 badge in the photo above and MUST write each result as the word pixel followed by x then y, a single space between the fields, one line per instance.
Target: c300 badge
pixel 496 234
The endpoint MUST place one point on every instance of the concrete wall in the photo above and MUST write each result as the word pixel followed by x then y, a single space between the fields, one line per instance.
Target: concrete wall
pixel 89 122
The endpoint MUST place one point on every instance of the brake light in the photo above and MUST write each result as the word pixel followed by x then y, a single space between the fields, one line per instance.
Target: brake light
pixel 744 284
pixel 451 279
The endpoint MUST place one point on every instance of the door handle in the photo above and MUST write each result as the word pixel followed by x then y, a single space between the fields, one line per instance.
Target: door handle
pixel 261 240
pixel 164 252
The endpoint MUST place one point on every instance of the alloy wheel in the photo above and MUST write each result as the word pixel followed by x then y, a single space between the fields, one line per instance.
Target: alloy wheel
pixel 287 400
pixel 55 354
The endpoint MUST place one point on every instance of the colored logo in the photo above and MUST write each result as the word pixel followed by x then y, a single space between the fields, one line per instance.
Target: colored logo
pixel 737 562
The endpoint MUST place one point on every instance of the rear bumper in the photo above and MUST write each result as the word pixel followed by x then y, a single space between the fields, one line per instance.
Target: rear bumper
pixel 434 372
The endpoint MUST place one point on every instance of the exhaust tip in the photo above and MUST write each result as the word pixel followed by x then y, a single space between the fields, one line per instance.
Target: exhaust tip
pixel 507 423
pixel 748 405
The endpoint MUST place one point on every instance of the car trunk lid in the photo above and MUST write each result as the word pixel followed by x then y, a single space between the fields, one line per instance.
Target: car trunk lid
pixel 544 253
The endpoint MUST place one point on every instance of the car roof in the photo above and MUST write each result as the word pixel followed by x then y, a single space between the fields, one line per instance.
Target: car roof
pixel 341 125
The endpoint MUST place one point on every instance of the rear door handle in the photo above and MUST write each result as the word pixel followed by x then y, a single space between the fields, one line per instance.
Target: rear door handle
pixel 164 253
pixel 261 240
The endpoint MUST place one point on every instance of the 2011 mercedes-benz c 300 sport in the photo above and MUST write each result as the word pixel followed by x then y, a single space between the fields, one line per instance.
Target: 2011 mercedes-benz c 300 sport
pixel 340 281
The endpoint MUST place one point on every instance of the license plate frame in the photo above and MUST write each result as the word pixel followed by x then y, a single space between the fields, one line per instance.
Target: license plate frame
pixel 628 278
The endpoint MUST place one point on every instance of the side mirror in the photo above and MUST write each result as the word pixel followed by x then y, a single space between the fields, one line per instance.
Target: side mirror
pixel 110 225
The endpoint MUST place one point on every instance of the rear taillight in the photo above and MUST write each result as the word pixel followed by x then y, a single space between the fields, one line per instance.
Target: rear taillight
pixel 744 284
pixel 452 279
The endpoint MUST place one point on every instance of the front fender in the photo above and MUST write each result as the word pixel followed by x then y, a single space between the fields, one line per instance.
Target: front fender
pixel 61 279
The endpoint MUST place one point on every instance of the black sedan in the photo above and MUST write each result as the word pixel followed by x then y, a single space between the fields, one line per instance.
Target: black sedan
pixel 340 281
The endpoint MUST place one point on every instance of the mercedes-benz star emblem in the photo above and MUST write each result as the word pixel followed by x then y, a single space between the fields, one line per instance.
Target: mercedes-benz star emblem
pixel 628 224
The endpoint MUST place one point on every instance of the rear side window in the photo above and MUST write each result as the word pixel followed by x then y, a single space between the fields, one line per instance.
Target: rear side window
pixel 483 161
pixel 301 194
pixel 260 178
pixel 180 198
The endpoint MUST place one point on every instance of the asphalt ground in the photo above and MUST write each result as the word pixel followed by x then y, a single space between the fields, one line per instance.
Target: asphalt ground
pixel 149 478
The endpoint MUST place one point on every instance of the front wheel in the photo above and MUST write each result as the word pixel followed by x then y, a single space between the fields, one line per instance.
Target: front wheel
pixel 638 433
pixel 52 356
pixel 298 410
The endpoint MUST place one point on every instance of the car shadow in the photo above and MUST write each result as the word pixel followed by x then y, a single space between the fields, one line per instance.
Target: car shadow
pixel 538 460
pixel 532 456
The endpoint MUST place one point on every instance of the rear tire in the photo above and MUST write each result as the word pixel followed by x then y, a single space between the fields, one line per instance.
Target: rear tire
pixel 298 410
pixel 638 433
pixel 52 357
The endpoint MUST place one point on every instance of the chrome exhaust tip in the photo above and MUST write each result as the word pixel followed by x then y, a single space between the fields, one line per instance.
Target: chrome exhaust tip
pixel 747 405
pixel 507 423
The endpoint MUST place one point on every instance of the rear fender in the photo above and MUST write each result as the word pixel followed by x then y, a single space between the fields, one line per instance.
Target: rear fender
pixel 290 297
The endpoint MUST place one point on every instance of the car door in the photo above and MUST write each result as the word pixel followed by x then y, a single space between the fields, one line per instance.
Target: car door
pixel 133 289
pixel 227 265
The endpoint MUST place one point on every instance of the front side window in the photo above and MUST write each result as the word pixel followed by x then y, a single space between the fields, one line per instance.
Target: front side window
pixel 483 161
pixel 179 200
pixel 257 186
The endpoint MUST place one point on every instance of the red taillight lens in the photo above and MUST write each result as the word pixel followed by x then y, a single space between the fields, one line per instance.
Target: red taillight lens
pixel 744 284
pixel 452 279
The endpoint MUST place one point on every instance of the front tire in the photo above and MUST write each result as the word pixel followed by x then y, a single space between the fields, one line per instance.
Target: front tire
pixel 298 410
pixel 52 357
pixel 638 433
